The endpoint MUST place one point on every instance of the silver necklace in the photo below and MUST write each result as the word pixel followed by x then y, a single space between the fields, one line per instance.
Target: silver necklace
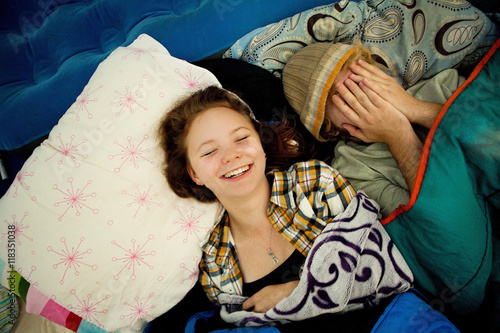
pixel 268 249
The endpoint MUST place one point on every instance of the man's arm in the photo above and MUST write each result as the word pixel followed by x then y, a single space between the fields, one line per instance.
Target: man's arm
pixel 376 120
pixel 417 111
pixel 373 169
pixel 407 151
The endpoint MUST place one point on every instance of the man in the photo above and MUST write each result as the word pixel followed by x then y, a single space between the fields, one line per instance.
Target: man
pixel 341 93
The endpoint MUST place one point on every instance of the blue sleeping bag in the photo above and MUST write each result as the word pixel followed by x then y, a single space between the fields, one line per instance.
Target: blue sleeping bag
pixel 407 312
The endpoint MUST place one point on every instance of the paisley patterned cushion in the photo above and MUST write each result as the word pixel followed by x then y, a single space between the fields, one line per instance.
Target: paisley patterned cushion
pixel 416 39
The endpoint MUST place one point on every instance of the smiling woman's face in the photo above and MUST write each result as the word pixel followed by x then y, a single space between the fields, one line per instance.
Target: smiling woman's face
pixel 225 153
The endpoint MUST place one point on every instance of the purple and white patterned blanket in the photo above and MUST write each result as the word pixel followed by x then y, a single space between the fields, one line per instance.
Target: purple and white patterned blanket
pixel 353 264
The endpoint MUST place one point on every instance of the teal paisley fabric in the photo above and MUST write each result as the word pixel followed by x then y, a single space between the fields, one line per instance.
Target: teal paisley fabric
pixel 416 39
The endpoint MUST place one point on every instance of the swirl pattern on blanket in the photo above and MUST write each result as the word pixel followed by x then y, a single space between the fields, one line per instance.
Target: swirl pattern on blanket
pixel 353 264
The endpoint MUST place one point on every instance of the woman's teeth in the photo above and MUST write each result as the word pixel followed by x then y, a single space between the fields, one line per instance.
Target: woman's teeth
pixel 237 172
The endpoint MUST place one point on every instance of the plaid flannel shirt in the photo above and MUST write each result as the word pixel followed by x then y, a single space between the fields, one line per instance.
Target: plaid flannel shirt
pixel 303 200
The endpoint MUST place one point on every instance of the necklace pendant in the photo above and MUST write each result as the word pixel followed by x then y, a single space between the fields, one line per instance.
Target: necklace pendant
pixel 273 257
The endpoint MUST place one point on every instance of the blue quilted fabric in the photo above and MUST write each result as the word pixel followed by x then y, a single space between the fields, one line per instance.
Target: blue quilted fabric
pixel 50 48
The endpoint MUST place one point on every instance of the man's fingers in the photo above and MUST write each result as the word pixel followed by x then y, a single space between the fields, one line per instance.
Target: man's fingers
pixel 374 70
pixel 370 72
pixel 374 92
pixel 355 132
pixel 345 109
pixel 357 98
pixel 352 101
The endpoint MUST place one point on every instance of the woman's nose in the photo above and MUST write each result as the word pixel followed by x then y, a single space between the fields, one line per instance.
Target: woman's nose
pixel 230 154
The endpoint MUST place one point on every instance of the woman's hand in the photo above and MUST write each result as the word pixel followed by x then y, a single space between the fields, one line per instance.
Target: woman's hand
pixel 267 298
pixel 417 111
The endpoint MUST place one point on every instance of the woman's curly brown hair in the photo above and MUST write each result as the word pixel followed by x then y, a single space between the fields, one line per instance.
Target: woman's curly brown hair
pixel 282 143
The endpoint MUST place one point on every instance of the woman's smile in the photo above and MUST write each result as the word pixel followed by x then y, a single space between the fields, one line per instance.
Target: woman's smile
pixel 225 153
pixel 237 173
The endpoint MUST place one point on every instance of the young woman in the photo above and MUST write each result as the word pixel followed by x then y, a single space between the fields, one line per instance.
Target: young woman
pixel 216 150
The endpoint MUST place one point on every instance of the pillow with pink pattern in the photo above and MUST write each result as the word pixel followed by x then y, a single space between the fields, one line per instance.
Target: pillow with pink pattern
pixel 93 237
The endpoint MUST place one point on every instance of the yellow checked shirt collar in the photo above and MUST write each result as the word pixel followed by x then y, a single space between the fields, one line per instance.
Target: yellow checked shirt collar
pixel 220 231
pixel 218 234
pixel 282 194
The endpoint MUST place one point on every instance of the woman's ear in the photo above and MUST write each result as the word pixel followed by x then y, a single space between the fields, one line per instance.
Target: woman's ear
pixel 193 176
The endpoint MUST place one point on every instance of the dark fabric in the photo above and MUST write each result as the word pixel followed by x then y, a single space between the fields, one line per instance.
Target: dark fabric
pixel 259 88
pixel 286 272
pixel 175 319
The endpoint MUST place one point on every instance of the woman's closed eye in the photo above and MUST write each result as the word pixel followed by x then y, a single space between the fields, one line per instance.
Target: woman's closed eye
pixel 214 150
pixel 209 152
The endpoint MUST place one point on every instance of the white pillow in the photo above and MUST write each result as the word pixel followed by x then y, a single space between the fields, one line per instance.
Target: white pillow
pixel 98 230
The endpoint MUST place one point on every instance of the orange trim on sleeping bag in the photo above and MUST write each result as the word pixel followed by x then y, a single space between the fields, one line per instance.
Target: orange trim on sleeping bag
pixel 428 142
